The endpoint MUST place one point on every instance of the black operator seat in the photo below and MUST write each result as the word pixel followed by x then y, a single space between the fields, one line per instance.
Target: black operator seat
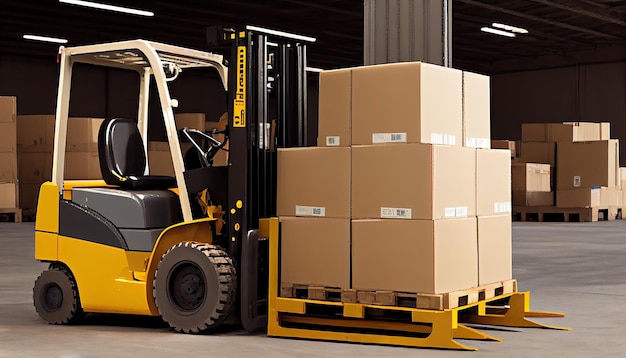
pixel 123 157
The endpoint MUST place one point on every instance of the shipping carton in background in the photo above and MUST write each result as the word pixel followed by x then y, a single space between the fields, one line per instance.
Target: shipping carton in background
pixel 315 251
pixel 530 177
pixel 582 198
pixel 8 167
pixel 335 108
pixel 82 134
pixel 35 164
pixel 511 145
pixel 314 181
pixel 8 109
pixel 8 196
pixel 84 165
pixel 413 181
pixel 588 164
pixel 476 110
pixel 493 182
pixel 427 256
pixel 538 152
pixel 29 194
pixel 533 198
pixel 564 132
pixel 35 129
pixel 190 120
pixel 8 136
pixel 406 102
pixel 494 249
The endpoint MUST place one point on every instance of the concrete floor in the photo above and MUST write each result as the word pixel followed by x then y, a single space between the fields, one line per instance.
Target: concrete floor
pixel 575 268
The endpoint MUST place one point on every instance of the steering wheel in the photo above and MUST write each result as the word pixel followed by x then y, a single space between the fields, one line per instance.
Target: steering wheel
pixel 214 144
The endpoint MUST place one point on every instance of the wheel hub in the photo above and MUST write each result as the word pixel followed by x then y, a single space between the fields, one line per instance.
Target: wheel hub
pixel 187 287
pixel 53 297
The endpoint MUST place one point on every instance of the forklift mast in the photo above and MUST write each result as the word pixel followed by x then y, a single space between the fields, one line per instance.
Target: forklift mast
pixel 268 106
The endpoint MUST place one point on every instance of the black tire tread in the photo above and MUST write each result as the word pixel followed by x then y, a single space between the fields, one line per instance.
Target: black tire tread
pixel 76 313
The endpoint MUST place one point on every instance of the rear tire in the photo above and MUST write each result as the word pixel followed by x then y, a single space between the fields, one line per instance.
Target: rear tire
pixel 194 287
pixel 55 296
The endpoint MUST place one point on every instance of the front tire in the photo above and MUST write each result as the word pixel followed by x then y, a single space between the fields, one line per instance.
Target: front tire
pixel 55 296
pixel 194 287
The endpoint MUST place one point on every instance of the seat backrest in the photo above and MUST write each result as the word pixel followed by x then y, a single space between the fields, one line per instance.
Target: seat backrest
pixel 121 150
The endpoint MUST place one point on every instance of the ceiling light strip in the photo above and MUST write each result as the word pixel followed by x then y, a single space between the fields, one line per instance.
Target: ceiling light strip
pixel 281 33
pixel 510 28
pixel 497 32
pixel 55 40
pixel 100 6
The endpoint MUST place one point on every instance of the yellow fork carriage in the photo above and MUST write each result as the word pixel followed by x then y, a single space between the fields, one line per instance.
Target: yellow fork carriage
pixel 390 325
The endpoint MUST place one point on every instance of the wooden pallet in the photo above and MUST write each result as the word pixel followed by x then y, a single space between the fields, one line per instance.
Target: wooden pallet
pixel 554 214
pixel 28 215
pixel 12 215
pixel 401 299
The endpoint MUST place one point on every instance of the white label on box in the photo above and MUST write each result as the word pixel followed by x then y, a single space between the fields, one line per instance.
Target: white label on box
pixel 395 213
pixel 470 142
pixel 503 207
pixel 310 211
pixel 577 181
pixel 449 212
pixel 332 141
pixel 484 143
pixel 460 211
pixel 447 139
pixel 388 138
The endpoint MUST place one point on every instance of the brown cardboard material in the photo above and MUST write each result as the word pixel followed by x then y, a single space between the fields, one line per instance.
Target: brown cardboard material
pixel 8 109
pixel 82 134
pixel 413 181
pixel 35 129
pixel 493 182
pixel 82 166
pixel 610 197
pixel 8 137
pixel 190 120
pixel 588 164
pixel 533 198
pixel 538 152
pixel 315 251
pixel 406 102
pixel 314 181
pixel 512 146
pixel 605 131
pixel 476 110
pixel 563 132
pixel 160 162
pixel 8 167
pixel 8 199
pixel 494 249
pixel 582 198
pixel 530 176
pixel 427 256
pixel 34 164
pixel 335 108
pixel 29 194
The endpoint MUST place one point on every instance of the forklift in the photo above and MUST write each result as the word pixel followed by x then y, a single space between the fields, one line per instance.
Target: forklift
pixel 185 248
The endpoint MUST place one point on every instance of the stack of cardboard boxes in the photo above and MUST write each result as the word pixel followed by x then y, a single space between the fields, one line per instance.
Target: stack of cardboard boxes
pixel 35 141
pixel 9 198
pixel 580 160
pixel 402 193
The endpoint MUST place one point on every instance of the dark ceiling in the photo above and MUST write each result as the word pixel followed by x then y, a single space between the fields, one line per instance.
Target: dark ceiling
pixel 561 32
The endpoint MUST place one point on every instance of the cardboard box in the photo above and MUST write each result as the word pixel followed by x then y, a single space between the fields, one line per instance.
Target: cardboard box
pixel 29 194
pixel 8 167
pixel 82 166
pixel 511 145
pixel 160 162
pixel 538 152
pixel 605 131
pixel 8 198
pixel 34 164
pixel 315 251
pixel 8 109
pixel 533 198
pixel 8 137
pixel 82 134
pixel 530 177
pixel 564 132
pixel 190 120
pixel 494 249
pixel 588 164
pixel 335 108
pixel 314 181
pixel 408 102
pixel 476 110
pixel 611 197
pixel 413 181
pixel 582 198
pixel 426 256
pixel 493 182
pixel 35 129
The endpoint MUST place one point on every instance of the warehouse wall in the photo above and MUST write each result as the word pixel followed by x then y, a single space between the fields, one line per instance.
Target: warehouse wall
pixel 594 92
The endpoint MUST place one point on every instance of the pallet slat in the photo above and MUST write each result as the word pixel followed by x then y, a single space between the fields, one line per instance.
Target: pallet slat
pixel 11 214
pixel 556 214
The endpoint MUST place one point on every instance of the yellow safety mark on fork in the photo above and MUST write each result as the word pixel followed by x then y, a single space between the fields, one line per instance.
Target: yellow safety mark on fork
pixel 239 105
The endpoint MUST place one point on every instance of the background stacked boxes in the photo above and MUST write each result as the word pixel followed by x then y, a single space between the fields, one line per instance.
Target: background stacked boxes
pixel 9 198
pixel 402 193
pixel 583 163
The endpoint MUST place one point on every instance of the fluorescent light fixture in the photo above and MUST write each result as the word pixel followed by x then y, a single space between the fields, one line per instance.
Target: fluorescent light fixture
pixel 497 32
pixel 280 33
pixel 100 6
pixel 314 69
pixel 45 39
pixel 510 28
